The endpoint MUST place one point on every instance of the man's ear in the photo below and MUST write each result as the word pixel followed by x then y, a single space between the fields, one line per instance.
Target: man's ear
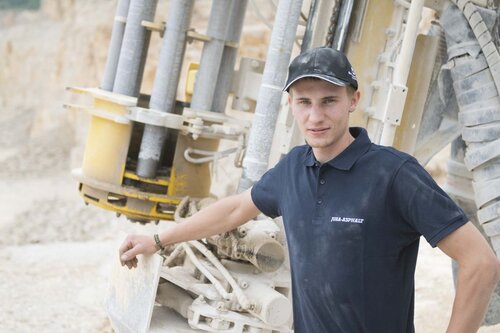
pixel 354 100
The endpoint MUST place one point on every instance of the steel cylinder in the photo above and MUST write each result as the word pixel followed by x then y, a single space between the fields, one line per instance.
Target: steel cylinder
pixel 115 45
pixel 225 76
pixel 130 68
pixel 163 96
pixel 283 36
pixel 211 56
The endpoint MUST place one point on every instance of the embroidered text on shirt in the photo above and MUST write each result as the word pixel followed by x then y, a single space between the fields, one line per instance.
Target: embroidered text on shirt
pixel 346 219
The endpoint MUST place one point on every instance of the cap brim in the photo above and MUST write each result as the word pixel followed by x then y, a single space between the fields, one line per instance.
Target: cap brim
pixel 331 79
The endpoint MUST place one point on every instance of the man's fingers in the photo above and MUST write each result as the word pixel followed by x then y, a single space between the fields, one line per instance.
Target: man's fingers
pixel 131 253
pixel 126 245
pixel 127 248
pixel 134 245
pixel 126 252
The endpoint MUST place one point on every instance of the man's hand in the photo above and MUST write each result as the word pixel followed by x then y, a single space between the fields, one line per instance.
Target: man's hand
pixel 134 245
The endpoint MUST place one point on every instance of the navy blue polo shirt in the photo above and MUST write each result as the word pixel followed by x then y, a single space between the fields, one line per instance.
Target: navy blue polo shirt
pixel 353 226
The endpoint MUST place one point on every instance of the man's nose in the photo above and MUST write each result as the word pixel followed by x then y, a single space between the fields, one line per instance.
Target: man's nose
pixel 316 114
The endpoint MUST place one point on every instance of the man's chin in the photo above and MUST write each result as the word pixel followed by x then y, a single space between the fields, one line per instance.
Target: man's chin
pixel 317 143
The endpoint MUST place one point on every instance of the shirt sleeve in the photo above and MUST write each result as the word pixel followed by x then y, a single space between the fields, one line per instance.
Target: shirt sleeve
pixel 266 193
pixel 424 205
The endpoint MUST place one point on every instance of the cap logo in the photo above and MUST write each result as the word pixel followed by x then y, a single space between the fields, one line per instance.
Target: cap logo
pixel 352 74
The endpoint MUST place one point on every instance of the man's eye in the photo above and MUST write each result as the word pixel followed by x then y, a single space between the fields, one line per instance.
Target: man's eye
pixel 303 102
pixel 329 101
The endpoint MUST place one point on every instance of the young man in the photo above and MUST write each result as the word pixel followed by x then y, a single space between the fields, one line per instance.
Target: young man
pixel 353 213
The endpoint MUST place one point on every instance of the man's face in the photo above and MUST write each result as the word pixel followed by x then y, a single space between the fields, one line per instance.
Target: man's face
pixel 321 110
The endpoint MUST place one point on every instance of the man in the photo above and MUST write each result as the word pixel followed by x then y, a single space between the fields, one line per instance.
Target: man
pixel 353 213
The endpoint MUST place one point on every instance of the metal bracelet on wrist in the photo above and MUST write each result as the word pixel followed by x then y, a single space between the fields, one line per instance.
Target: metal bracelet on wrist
pixel 159 245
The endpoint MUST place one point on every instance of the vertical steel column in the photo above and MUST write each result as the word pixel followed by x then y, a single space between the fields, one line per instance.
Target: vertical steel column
pixel 311 22
pixel 134 48
pixel 268 102
pixel 115 45
pixel 233 34
pixel 343 24
pixel 164 92
pixel 204 87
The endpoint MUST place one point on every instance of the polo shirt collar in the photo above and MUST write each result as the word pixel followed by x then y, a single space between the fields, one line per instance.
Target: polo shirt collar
pixel 346 159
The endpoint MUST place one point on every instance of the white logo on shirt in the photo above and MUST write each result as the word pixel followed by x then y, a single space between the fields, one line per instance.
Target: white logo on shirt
pixel 346 219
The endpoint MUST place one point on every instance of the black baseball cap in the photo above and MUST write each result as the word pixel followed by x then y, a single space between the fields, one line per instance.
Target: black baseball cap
pixel 324 63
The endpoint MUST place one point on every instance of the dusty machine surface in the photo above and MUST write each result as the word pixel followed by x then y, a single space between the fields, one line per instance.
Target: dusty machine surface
pixel 149 157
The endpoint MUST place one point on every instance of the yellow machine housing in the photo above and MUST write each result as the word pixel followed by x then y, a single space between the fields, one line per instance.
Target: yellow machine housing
pixel 108 179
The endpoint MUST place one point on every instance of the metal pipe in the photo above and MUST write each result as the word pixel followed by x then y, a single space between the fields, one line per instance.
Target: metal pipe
pixel 403 64
pixel 343 24
pixel 201 267
pixel 268 103
pixel 233 34
pixel 173 255
pixel 240 295
pixel 134 48
pixel 204 87
pixel 311 20
pixel 115 45
pixel 321 22
pixel 164 92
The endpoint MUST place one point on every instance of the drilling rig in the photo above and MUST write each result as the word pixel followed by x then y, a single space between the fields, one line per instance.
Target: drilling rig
pixel 149 157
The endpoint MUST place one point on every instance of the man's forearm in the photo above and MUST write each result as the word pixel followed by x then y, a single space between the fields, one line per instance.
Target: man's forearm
pixel 474 288
pixel 224 215
pixel 478 275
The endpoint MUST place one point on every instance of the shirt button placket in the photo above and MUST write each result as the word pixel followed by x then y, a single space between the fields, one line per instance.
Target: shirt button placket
pixel 319 214
pixel 321 191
